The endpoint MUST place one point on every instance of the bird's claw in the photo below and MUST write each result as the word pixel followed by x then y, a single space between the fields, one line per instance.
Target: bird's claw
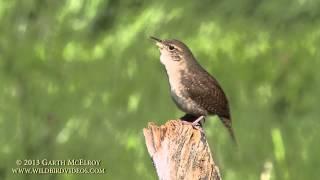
pixel 195 125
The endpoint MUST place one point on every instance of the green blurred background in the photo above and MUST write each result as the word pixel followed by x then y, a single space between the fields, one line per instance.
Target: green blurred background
pixel 80 79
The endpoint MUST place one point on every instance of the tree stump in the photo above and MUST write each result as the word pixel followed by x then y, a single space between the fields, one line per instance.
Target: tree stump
pixel 180 151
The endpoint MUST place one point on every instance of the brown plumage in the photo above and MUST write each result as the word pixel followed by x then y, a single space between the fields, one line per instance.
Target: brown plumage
pixel 193 89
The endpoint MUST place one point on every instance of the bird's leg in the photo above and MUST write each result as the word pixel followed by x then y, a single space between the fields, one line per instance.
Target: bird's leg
pixel 198 121
pixel 196 126
pixel 189 120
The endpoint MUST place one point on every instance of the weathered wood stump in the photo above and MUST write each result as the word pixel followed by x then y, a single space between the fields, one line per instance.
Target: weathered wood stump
pixel 180 151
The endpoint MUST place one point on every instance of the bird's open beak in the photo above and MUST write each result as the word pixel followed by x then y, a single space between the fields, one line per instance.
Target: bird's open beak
pixel 159 42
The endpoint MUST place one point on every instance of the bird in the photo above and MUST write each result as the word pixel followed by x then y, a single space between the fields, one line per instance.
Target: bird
pixel 192 88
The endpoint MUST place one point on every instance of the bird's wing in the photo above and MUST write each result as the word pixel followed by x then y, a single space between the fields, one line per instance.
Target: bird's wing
pixel 206 91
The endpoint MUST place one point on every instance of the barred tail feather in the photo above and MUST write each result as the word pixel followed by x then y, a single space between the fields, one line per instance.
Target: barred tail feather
pixel 227 123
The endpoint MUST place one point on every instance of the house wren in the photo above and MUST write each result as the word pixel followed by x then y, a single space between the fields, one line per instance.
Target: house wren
pixel 193 89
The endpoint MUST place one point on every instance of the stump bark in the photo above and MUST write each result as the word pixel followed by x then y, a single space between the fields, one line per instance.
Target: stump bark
pixel 180 152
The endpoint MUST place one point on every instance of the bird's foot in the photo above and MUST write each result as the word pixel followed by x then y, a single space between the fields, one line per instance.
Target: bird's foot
pixel 198 121
pixel 196 124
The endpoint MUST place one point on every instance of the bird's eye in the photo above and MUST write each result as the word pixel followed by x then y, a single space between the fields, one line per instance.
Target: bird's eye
pixel 171 47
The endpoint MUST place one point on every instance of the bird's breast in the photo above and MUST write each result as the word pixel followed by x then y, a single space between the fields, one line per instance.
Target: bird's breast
pixel 180 94
pixel 175 76
pixel 176 87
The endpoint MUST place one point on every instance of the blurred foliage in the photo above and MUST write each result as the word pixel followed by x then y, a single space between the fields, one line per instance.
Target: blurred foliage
pixel 80 79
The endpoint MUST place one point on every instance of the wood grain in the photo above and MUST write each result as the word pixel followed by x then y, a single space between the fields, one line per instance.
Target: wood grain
pixel 180 152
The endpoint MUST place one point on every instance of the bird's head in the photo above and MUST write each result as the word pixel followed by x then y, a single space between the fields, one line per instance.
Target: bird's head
pixel 173 52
